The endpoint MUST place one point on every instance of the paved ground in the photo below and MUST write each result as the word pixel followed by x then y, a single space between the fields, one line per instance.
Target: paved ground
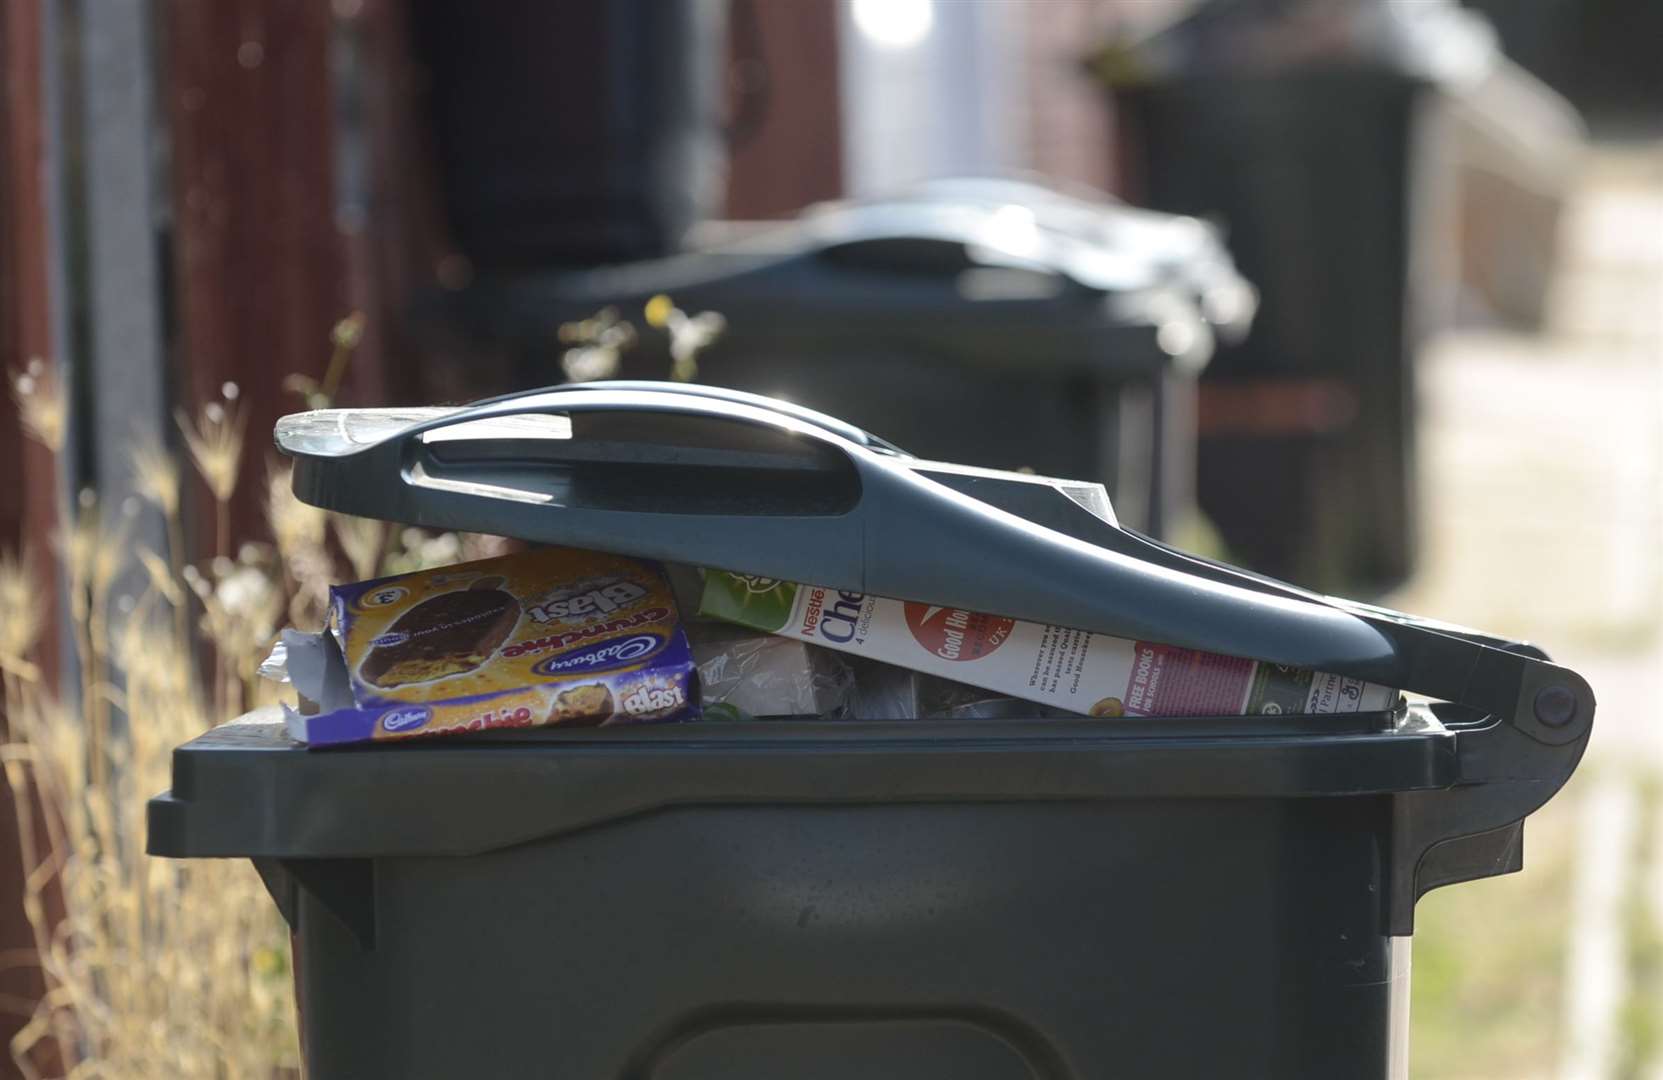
pixel 1543 471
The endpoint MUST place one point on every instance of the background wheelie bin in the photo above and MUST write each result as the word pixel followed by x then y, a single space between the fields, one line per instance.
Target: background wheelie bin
pixel 1326 140
pixel 992 900
pixel 991 322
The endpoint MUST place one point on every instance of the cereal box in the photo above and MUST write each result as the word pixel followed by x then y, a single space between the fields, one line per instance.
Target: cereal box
pixel 1075 670
pixel 553 636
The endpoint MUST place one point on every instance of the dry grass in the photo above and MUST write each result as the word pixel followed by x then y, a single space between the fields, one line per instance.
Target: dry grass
pixel 40 404
pixel 156 477
pixel 155 968
pixel 362 540
pixel 21 627
pixel 689 334
pixel 595 346
pixel 215 442
pixel 159 968
pixel 344 338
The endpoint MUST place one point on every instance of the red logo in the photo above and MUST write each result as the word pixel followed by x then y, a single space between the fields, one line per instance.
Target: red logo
pixel 957 634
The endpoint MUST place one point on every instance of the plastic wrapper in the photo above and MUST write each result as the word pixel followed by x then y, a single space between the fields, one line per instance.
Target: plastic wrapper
pixel 746 674
pixel 884 691
pixel 943 699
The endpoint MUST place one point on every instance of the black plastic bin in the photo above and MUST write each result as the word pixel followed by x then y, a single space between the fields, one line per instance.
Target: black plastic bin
pixel 1317 135
pixel 989 322
pixel 573 133
pixel 1306 464
pixel 1000 900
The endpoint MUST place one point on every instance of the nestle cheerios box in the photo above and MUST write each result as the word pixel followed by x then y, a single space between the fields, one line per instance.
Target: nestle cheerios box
pixel 1087 673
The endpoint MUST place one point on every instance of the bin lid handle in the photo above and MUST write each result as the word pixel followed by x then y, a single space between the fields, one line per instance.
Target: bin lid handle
pixel 832 424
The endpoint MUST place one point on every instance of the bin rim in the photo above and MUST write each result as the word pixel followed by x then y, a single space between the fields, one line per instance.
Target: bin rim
pixel 246 789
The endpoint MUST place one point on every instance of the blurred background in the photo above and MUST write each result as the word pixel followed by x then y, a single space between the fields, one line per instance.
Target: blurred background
pixel 1363 294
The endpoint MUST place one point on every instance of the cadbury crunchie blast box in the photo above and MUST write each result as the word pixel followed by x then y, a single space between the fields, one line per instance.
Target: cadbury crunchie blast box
pixel 553 636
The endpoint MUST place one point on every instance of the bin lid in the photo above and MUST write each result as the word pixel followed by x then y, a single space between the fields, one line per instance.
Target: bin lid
pixel 1183 251
pixel 737 482
pixel 1031 277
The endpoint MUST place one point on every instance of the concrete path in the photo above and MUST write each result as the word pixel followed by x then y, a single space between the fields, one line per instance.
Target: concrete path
pixel 1542 459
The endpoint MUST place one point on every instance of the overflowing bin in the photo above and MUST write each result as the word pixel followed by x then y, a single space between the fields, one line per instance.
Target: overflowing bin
pixel 991 322
pixel 993 900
